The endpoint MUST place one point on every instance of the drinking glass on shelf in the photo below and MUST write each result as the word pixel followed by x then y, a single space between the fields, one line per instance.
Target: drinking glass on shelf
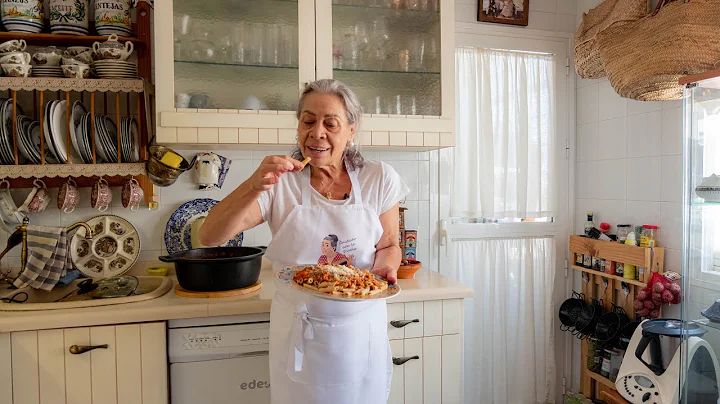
pixel 241 48
pixel 394 105
pixel 404 60
pixel 286 45
pixel 409 106
pixel 256 40
pixel 272 50
pixel 417 53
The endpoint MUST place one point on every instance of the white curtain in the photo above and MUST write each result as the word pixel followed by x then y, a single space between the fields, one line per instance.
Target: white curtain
pixel 503 159
pixel 509 355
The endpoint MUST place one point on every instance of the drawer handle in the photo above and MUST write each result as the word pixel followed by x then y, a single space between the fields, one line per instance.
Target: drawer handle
pixel 401 361
pixel 402 323
pixel 81 349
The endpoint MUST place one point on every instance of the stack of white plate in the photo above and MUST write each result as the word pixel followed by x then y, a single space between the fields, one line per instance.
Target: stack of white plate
pixel 114 69
pixel 56 131
pixel 105 138
pixel 47 71
pixel 130 140
pixel 7 155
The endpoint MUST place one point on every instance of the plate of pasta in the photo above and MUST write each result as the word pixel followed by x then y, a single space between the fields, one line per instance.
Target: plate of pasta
pixel 337 282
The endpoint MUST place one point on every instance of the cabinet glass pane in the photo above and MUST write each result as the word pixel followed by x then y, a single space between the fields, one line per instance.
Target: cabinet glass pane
pixel 236 54
pixel 701 236
pixel 388 52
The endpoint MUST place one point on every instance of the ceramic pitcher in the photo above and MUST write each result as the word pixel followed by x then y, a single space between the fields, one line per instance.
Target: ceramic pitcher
pixel 207 170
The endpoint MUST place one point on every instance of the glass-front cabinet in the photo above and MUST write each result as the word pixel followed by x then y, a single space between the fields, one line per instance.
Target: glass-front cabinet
pixel 230 71
pixel 699 371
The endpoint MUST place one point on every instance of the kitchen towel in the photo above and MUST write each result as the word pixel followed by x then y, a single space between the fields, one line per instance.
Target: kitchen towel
pixel 48 257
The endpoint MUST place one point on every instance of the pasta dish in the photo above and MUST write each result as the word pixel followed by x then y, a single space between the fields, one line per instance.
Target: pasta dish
pixel 339 280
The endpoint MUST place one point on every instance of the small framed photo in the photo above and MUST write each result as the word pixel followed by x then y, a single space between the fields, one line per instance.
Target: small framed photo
pixel 513 12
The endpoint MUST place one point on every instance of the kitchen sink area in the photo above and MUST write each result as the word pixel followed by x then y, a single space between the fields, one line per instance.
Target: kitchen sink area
pixel 72 296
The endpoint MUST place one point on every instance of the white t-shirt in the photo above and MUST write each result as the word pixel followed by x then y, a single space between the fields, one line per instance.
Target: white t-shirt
pixel 380 186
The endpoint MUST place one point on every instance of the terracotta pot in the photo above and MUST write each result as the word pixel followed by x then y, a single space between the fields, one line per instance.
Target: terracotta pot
pixel 408 271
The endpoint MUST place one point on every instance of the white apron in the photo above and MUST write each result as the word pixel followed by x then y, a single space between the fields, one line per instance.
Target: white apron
pixel 324 351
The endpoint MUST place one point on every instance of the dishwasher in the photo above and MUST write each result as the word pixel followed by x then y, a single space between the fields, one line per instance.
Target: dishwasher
pixel 220 360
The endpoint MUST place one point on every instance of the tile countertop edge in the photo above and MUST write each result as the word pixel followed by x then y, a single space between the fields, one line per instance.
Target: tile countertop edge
pixel 427 285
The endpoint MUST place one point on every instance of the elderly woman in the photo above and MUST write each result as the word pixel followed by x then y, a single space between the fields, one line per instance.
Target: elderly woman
pixel 322 351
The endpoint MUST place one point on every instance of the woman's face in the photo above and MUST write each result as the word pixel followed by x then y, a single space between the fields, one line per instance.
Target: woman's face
pixel 324 130
pixel 327 248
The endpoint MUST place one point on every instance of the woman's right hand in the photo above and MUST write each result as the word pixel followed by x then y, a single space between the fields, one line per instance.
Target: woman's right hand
pixel 270 170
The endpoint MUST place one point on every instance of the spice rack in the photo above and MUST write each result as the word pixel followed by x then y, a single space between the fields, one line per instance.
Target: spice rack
pixel 609 288
pixel 121 92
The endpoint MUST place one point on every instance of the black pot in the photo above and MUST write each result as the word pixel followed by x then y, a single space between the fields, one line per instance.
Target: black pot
pixel 585 324
pixel 570 310
pixel 610 325
pixel 216 269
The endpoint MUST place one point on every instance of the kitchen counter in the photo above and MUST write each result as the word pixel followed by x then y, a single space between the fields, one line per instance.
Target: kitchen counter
pixel 427 285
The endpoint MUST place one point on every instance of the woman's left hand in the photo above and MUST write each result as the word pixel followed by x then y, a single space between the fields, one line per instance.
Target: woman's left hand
pixel 386 272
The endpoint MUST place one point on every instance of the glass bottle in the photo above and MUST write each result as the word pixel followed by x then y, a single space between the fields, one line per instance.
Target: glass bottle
pixel 589 224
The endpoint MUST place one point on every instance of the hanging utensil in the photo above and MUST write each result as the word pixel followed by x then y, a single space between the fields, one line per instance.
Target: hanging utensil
pixel 605 285
pixel 626 292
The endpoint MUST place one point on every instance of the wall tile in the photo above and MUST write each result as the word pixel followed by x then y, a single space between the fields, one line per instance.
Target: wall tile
pixel 408 170
pixel 611 179
pixel 670 232
pixel 639 212
pixel 643 179
pixel 587 142
pixel 642 107
pixel 672 131
pixel 546 6
pixel 644 135
pixel 610 104
pixel 612 211
pixel 612 137
pixel 585 180
pixel 587 104
pixel 565 23
pixel 671 176
pixel 582 206
pixel 539 20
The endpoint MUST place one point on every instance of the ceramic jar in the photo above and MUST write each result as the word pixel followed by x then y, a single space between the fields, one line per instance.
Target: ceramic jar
pixel 76 71
pixel 69 17
pixel 23 15
pixel 113 49
pixel 113 17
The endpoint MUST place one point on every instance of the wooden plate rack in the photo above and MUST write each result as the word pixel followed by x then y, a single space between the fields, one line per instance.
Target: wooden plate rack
pixel 609 288
pixel 121 92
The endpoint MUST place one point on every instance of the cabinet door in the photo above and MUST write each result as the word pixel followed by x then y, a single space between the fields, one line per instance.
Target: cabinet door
pixel 413 370
pixel 41 369
pixel 233 55
pixel 452 371
pixel 397 391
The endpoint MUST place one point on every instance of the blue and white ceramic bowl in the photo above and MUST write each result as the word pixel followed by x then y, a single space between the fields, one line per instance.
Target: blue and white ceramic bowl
pixel 177 230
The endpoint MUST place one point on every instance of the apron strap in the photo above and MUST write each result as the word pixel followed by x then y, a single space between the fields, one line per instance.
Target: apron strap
pixel 306 188
pixel 301 330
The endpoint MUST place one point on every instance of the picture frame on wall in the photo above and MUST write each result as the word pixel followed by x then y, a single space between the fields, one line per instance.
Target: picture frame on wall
pixel 514 12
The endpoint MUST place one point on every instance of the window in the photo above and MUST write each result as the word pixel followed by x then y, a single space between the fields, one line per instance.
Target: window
pixel 503 161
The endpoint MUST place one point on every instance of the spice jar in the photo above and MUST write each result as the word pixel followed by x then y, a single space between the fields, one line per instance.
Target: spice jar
pixel 605 366
pixel 622 232
pixel 609 267
pixel 579 260
pixel 649 233
pixel 591 348
pixel 604 228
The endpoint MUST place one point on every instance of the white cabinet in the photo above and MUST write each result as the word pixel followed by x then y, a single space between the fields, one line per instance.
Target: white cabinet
pixel 231 72
pixel 37 367
pixel 426 345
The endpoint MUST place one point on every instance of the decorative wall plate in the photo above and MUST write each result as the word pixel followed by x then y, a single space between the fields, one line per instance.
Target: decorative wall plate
pixel 113 249
pixel 177 230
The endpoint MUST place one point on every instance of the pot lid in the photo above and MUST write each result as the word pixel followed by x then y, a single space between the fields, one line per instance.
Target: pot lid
pixel 117 286
pixel 672 328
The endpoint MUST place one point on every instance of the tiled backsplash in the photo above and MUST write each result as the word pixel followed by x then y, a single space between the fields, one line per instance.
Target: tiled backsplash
pixel 413 167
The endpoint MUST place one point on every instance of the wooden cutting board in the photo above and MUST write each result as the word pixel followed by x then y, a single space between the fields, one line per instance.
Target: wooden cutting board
pixel 180 291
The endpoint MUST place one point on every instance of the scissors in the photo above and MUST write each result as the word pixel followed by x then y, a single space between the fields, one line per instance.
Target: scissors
pixel 19 297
